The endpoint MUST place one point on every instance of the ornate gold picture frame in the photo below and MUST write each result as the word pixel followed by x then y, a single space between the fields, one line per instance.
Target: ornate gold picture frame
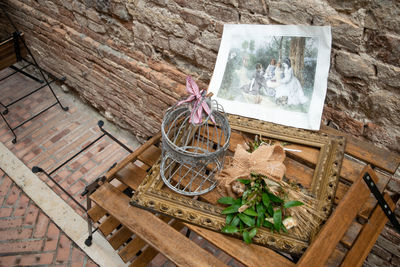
pixel 153 195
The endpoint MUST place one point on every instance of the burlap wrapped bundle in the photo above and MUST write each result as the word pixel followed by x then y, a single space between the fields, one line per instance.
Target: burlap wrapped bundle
pixel 265 160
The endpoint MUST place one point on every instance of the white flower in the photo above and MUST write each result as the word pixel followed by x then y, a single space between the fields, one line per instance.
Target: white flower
pixel 238 188
pixel 289 222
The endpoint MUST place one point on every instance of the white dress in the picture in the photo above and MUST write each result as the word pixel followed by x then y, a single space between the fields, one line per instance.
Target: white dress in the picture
pixel 276 81
pixel 290 86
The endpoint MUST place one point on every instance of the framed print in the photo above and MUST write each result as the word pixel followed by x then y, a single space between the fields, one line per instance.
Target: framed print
pixel 274 73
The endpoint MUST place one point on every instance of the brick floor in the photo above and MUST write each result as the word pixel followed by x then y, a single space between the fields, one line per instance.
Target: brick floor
pixel 28 237
pixel 56 135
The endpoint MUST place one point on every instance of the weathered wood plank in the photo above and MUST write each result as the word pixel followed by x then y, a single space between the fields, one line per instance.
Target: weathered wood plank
pixel 131 249
pixel 109 224
pixel 367 237
pixel 161 236
pixel 382 158
pixel 351 234
pixel 306 154
pixel 250 255
pixel 150 155
pixel 133 156
pixel 132 175
pixel 322 247
pixel 149 253
pixel 96 213
pixel 144 258
pixel 120 237
pixel 7 52
pixel 336 258
pixel 300 173
pixel 135 245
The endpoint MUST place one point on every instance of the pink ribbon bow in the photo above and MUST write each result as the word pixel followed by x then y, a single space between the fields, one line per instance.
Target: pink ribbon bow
pixel 198 102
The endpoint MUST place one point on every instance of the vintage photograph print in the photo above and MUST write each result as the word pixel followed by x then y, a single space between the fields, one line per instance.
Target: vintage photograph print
pixel 274 73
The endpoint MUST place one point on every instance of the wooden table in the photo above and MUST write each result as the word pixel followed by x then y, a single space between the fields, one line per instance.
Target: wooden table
pixel 345 239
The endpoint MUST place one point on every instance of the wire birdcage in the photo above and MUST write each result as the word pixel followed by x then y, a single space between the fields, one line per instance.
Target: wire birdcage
pixel 193 153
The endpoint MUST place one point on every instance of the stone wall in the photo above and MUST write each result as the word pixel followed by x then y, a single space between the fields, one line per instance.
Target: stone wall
pixel 129 59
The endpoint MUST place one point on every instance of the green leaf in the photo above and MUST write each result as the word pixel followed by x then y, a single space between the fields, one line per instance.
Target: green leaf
pixel 246 237
pixel 270 210
pixel 226 200
pixel 260 209
pixel 265 199
pixel 253 232
pixel 235 221
pixel 277 219
pixel 268 224
pixel 229 229
pixel 250 212
pixel 274 198
pixel 260 220
pixel 231 209
pixel 244 181
pixel 238 201
pixel 247 219
pixel 292 203
pixel 229 218
pixel 284 228
pixel 241 225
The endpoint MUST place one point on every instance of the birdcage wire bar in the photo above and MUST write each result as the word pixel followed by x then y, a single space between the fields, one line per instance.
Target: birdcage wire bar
pixel 192 154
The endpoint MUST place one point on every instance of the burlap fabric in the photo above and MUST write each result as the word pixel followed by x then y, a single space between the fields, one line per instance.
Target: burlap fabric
pixel 266 160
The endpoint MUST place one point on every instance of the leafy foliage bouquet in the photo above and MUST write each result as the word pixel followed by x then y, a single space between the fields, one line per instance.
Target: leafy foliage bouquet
pixel 259 197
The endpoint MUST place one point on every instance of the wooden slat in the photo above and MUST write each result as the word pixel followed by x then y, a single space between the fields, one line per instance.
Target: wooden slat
pixel 336 258
pixel 132 175
pixel 136 244
pixel 382 158
pixel 130 250
pixel 96 213
pixel 149 253
pixel 307 154
pixel 7 52
pixel 164 238
pixel 250 255
pixel 300 173
pixel 351 234
pixel 322 247
pixel 366 239
pixel 133 156
pixel 120 237
pixel 144 258
pixel 109 224
pixel 150 155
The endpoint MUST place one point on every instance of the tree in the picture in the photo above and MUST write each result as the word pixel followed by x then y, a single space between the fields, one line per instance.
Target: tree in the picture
pixel 278 42
pixel 296 56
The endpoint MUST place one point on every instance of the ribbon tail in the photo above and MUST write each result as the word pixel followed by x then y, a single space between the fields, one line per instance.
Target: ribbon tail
pixel 189 99
pixel 208 111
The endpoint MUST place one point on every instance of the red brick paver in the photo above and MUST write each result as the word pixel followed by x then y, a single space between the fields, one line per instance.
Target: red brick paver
pixel 28 237
pixel 55 136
